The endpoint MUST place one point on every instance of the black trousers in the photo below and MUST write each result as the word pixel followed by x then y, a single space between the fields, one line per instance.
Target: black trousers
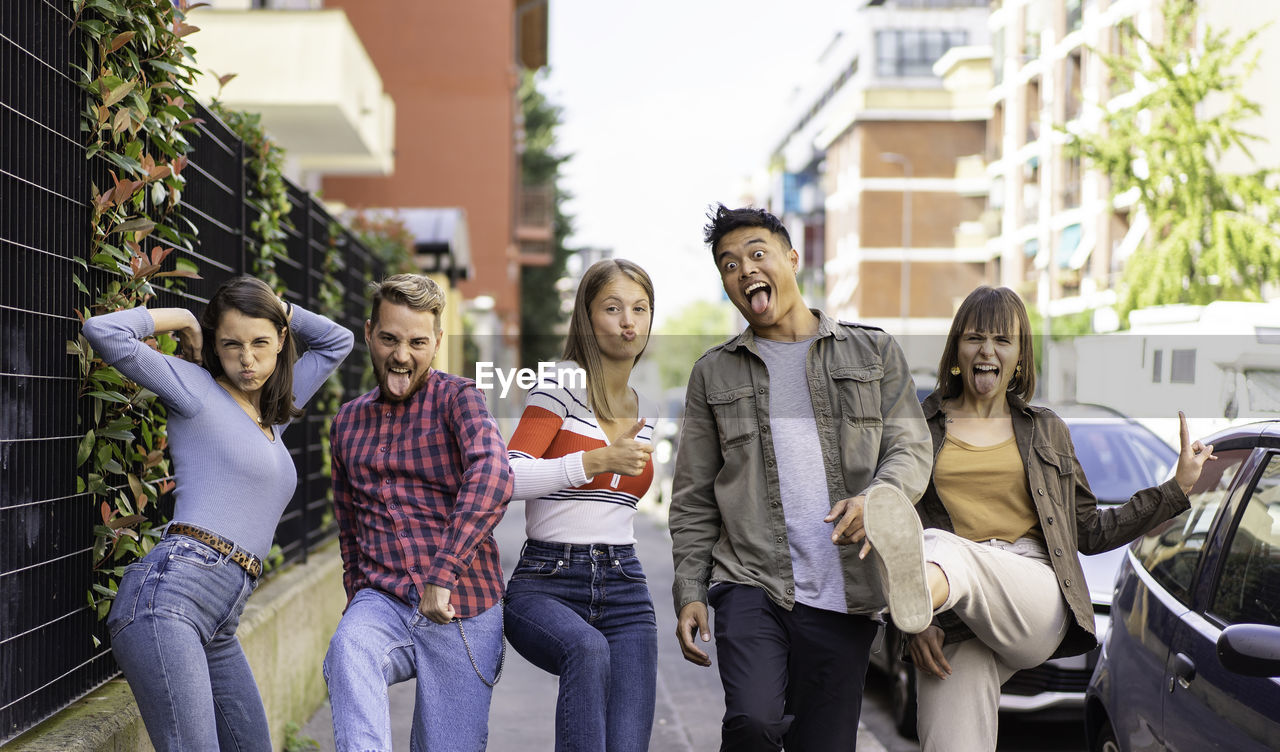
pixel 791 678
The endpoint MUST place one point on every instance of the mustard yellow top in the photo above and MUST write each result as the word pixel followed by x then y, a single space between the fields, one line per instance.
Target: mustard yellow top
pixel 984 489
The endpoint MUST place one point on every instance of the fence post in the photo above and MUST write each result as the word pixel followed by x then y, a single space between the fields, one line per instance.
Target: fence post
pixel 243 266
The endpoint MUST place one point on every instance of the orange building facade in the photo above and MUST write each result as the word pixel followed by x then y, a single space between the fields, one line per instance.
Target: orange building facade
pixel 453 70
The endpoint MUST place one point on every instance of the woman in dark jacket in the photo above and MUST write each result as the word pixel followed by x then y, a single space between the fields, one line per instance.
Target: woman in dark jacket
pixel 1004 514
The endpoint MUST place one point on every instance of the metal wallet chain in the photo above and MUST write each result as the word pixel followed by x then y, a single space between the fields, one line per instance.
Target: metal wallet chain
pixel 502 656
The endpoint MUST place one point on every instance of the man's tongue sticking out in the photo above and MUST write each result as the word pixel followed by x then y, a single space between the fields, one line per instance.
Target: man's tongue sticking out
pixel 760 300
pixel 398 381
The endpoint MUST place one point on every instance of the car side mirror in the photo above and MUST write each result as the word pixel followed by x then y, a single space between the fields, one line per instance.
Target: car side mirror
pixel 1250 649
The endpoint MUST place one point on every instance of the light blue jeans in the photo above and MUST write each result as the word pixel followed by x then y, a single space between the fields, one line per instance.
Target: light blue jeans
pixel 382 641
pixel 173 631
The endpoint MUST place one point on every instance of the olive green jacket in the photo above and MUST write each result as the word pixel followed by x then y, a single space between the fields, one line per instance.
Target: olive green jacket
pixel 1069 514
pixel 726 519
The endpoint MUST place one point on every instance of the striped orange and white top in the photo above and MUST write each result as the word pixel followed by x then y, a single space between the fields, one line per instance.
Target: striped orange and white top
pixel 545 452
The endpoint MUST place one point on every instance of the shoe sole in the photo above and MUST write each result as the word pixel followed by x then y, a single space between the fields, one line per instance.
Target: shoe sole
pixel 896 537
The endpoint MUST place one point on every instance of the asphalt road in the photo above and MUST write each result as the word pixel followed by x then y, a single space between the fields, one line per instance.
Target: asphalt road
pixel 689 697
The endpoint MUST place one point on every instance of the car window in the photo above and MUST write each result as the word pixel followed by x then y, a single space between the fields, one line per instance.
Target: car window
pixel 1171 551
pixel 1249 589
pixel 1119 460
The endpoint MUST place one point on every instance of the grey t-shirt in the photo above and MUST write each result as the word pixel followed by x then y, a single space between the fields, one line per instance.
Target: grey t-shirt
pixel 815 560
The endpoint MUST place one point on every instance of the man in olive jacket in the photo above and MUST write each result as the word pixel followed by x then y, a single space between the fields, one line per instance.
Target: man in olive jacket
pixel 786 427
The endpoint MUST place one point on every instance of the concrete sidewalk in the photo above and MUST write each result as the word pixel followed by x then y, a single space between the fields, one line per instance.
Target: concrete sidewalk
pixel 689 698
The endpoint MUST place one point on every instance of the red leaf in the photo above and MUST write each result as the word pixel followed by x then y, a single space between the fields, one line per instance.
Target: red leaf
pixel 120 41
pixel 124 189
pixel 106 513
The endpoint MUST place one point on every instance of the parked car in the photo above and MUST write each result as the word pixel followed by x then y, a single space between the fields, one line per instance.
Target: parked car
pixel 1192 660
pixel 666 441
pixel 1119 456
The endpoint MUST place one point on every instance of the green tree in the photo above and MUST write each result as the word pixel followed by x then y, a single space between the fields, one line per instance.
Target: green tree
pixel 1213 235
pixel 540 313
pixel 686 335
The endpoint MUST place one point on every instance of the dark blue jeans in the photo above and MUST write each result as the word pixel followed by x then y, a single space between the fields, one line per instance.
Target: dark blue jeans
pixel 791 678
pixel 584 613
pixel 173 631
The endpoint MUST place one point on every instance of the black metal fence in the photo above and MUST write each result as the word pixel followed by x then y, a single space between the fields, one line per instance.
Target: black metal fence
pixel 47 653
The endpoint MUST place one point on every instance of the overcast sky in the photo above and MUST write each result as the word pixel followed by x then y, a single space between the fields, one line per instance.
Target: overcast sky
pixel 669 106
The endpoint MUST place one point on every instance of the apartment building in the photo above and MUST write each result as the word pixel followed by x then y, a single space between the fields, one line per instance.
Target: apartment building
pixel 1062 241
pixel 880 177
pixel 453 69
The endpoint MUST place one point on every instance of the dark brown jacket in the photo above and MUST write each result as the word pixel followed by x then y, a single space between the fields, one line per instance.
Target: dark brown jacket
pixel 1068 511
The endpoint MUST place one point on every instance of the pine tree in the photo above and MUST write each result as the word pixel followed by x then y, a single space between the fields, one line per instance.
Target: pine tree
pixel 1213 235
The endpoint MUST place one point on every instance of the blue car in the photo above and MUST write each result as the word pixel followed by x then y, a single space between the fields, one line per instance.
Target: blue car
pixel 1192 658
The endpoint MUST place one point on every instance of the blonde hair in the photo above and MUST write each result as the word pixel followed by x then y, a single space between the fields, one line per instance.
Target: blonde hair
pixel 417 291
pixel 581 346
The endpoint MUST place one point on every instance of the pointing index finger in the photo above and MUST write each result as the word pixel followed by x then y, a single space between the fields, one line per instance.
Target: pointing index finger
pixel 1184 435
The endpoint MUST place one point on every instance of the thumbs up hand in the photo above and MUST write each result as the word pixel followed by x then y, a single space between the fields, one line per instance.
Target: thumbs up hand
pixel 625 456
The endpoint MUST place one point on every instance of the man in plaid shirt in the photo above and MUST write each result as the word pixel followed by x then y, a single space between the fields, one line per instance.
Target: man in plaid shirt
pixel 420 479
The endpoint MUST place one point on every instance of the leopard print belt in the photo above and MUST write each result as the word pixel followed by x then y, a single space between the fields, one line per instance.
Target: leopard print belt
pixel 246 560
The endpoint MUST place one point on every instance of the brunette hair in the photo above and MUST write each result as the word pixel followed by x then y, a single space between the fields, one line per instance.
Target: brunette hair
pixel 417 291
pixel 990 309
pixel 253 298
pixel 724 220
pixel 581 346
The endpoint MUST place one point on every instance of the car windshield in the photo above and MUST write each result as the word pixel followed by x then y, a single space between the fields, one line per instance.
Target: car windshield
pixel 1119 459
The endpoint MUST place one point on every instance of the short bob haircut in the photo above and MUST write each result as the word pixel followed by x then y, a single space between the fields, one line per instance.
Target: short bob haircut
pixel 990 309
pixel 253 298
pixel 417 291
pixel 581 346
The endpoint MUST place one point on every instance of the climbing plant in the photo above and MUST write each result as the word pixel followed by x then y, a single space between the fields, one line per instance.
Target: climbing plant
pixel 265 191
pixel 136 121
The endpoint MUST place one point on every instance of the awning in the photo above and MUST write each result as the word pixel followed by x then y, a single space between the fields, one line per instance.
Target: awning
pixel 1074 246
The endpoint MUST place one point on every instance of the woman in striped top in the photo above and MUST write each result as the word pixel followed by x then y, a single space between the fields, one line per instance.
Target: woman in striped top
pixel 578 605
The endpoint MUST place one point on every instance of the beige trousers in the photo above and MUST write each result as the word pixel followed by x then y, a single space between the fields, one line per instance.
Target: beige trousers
pixel 1008 595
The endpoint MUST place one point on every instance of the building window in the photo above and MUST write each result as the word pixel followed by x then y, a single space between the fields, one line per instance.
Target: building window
pixel 1157 366
pixel 1182 367
pixel 901 53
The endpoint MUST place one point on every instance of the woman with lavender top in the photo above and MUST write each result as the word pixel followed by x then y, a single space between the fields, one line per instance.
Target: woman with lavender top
pixel 173 622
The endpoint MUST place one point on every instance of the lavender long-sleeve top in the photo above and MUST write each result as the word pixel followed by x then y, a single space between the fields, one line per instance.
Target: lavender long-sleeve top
pixel 231 479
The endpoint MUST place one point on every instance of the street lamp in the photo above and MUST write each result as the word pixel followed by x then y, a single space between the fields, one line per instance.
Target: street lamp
pixel 904 297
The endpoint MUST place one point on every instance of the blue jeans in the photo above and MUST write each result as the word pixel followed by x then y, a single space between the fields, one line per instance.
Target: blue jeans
pixel 584 613
pixel 173 631
pixel 382 641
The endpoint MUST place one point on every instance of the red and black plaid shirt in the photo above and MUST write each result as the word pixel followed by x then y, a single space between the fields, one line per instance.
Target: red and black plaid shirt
pixel 417 489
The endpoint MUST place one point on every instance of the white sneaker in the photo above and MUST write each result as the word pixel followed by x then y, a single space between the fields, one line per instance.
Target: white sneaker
pixel 897 542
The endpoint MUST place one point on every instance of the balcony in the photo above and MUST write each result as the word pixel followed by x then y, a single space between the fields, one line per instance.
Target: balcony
pixel 535 224
pixel 308 73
